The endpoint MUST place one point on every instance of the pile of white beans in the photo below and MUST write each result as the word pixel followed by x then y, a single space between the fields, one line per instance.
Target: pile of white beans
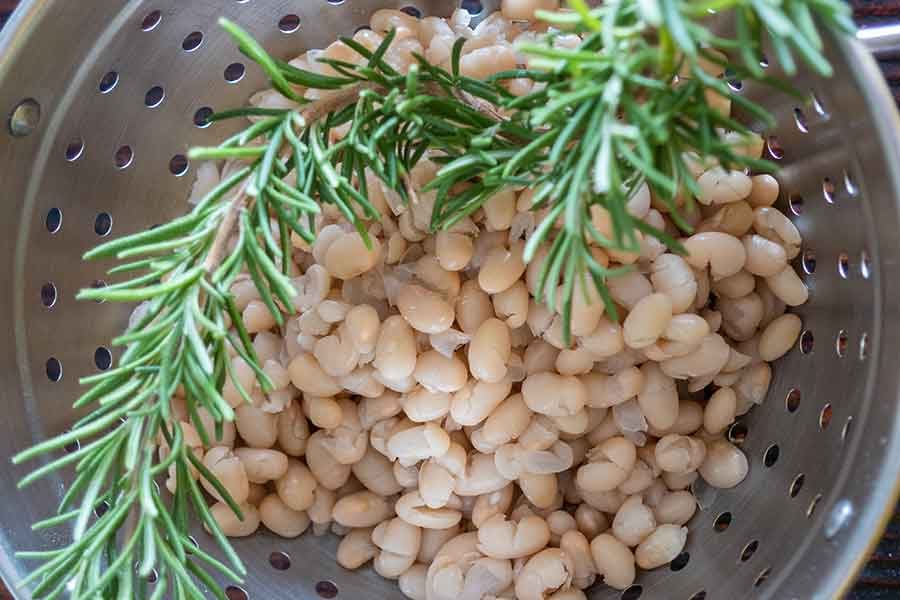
pixel 427 410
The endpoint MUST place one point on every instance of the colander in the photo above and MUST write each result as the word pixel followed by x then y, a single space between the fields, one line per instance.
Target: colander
pixel 102 98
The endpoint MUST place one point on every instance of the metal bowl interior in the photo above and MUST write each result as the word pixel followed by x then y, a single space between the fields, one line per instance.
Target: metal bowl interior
pixel 101 105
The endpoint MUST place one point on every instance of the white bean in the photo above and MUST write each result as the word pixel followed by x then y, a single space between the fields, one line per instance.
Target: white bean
pixel 281 519
pixel 725 465
pixel 546 572
pixel 614 561
pixel 661 546
pixel 647 320
pixel 489 351
pixel 779 337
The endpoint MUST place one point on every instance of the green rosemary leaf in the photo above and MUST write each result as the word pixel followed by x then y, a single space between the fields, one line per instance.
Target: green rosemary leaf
pixel 250 111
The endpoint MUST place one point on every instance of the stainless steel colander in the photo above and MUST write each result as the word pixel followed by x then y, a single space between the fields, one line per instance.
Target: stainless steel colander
pixel 103 98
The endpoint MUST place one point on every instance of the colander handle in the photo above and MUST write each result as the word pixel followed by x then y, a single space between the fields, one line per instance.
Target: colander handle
pixel 882 41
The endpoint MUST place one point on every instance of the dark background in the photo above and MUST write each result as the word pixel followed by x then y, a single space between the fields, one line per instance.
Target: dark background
pixel 881 578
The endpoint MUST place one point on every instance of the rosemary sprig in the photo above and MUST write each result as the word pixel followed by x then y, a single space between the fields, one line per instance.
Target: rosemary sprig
pixel 629 106
pixel 603 119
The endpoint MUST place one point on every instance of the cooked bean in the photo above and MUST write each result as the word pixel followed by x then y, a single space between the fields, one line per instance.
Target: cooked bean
pixel 554 395
pixel 473 307
pixel 494 503
pixel 458 571
pixel 327 470
pixel 675 508
pixel 307 376
pixel 262 466
pixel 647 320
pixel 605 391
pixel 658 397
pixel 540 489
pixel 605 340
pixel 323 506
pixel 578 549
pixel 591 522
pixel 673 277
pixel 724 254
pixel 489 351
pixel 336 355
pixel 398 538
pixel 725 465
pixel 505 423
pixel 481 477
pixel 312 287
pixel 424 310
pixel 540 434
pixel 764 192
pixel 361 509
pixel 572 593
pixel 546 572
pixel 587 307
pixel 257 317
pixel 501 269
pixel 229 523
pixel 627 289
pixel 411 508
pixel 773 224
pixel 764 257
pixel 453 250
pixel 560 522
pixel 422 405
pixel 633 522
pixel 245 377
pixel 707 360
pixel 281 519
pixel 640 479
pixel 779 337
pixel 476 400
pixel 432 542
pixel 375 472
pixel 718 186
pixel 720 410
pixel 373 410
pixel 348 256
pixel 296 487
pixel 679 454
pixel 412 582
pixel 614 561
pixel 523 10
pixel 610 464
pixel 752 386
pixel 741 316
pixel 736 286
pixel 258 428
pixel 438 373
pixel 395 351
pixel 512 304
pixel 661 546
pixel 418 443
pixel 362 327
pixel 500 538
pixel 435 484
pixel 734 219
pixel 323 412
pixel 408 477
pixel 229 471
pixel 608 502
pixel 356 549
pixel 244 291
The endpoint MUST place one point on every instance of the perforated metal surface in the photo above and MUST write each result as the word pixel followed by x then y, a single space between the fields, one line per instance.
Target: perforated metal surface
pixel 118 88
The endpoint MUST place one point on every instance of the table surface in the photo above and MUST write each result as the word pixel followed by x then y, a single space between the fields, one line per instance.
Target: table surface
pixel 880 579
